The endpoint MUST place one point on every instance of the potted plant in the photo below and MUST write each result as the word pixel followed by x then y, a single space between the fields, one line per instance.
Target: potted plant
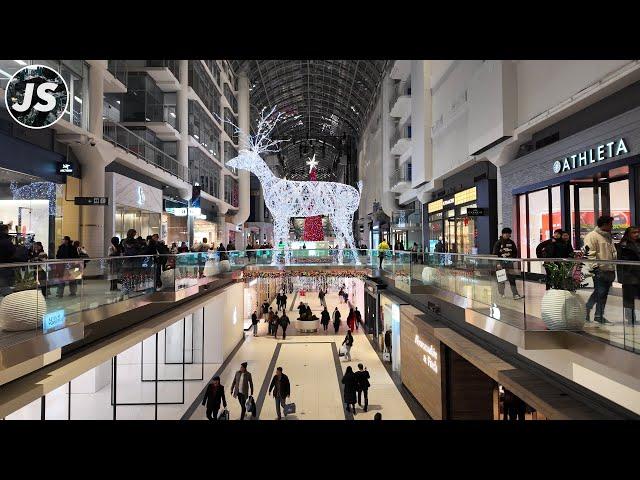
pixel 24 308
pixel 562 308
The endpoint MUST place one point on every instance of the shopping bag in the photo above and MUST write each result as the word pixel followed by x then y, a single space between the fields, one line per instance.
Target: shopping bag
pixel 247 404
pixel 386 356
pixel 501 275
pixel 343 350
pixel 224 415
pixel 289 408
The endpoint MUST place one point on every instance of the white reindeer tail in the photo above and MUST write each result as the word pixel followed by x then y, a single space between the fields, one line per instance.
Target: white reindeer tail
pixel 360 185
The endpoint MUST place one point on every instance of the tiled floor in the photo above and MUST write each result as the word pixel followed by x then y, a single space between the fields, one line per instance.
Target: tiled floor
pixel 310 363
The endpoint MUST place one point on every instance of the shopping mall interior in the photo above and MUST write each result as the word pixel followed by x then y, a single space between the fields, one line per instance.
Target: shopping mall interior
pixel 470 227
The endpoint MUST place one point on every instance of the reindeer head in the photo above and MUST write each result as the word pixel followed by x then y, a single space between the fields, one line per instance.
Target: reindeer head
pixel 249 157
pixel 246 160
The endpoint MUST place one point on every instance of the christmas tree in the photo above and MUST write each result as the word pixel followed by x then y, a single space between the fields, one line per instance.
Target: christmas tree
pixel 313 230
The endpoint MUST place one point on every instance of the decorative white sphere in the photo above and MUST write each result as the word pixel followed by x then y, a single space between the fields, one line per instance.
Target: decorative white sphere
pixel 20 311
pixel 563 310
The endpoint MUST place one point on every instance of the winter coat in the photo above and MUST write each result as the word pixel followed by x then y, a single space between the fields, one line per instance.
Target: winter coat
pixel 505 248
pixel 324 317
pixel 362 380
pixel 601 247
pixel 629 251
pixel 349 380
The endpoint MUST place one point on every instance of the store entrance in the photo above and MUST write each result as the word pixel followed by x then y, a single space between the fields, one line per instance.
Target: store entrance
pixel 604 194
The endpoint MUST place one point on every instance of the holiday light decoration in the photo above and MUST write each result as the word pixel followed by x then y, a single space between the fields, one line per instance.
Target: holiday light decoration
pixel 289 198
pixel 36 191
pixel 313 230
pixel 251 274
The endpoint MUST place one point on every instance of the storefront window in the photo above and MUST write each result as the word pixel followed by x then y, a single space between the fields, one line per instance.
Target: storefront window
pixel 619 207
pixel 538 223
pixel 145 223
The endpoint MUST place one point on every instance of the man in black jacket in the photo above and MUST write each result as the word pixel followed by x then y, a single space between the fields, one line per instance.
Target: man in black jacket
pixel 362 385
pixel 547 249
pixel 281 390
pixel 212 398
pixel 506 248
pixel 67 250
pixel 324 318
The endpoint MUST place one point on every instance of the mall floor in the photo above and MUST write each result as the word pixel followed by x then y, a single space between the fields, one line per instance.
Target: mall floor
pixel 314 369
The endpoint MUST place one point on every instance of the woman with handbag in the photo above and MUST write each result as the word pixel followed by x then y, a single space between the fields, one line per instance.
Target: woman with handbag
pixel 349 381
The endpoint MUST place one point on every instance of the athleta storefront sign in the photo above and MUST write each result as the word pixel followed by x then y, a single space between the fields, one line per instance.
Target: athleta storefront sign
pixel 598 153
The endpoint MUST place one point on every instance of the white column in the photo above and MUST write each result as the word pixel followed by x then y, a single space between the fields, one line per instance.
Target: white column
pixel 92 217
pixel 96 96
pixel 244 188
pixel 182 110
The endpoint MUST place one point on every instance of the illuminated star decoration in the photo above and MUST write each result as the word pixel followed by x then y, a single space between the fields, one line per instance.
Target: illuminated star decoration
pixel 313 163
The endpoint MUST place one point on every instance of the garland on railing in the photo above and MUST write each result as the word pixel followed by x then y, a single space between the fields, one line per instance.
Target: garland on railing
pixel 248 275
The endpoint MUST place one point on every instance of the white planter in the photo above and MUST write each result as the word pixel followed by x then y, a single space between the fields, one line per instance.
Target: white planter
pixel 225 266
pixel 563 310
pixel 211 268
pixel 20 311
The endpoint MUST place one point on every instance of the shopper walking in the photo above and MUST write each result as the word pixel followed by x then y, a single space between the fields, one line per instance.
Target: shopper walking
pixel 358 318
pixel 212 398
pixel 348 343
pixel 351 319
pixel 265 310
pixel 336 320
pixel 349 381
pixel 629 275
pixel 284 323
pixel 281 390
pixel 383 247
pixel 506 248
pixel 324 318
pixel 272 320
pixel 254 323
pixel 114 251
pixel 599 246
pixel 242 387
pixel 278 301
pixel 284 301
pixel 362 385
pixel 321 295
pixel 67 250
pixel 547 249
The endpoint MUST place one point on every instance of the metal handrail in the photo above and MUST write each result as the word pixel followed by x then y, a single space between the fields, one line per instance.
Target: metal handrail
pixel 178 170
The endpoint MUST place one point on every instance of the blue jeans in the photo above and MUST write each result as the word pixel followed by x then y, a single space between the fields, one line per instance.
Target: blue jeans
pixel 279 401
pixel 601 284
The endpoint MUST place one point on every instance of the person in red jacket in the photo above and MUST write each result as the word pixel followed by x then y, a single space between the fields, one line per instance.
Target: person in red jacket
pixel 351 320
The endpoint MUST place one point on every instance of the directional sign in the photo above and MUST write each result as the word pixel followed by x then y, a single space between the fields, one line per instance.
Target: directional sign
pixel 101 201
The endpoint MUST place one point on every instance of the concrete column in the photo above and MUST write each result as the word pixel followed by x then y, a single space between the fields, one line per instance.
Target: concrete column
pixel 92 217
pixel 244 188
pixel 96 96
pixel 182 110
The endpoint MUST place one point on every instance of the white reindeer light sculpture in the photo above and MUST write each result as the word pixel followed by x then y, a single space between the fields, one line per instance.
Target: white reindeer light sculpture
pixel 289 198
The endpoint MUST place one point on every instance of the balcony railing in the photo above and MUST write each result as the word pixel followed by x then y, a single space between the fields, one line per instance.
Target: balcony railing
pixel 402 174
pixel 134 144
pixel 118 69
pixel 169 115
pixel 406 219
pixel 172 65
pixel 403 88
pixel 398 133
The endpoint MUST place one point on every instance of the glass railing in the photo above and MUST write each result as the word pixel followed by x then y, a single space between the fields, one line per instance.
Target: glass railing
pixel 169 115
pixel 136 145
pixel 118 69
pixel 575 294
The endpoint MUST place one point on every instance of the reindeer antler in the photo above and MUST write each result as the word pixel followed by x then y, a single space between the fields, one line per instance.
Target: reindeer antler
pixel 260 142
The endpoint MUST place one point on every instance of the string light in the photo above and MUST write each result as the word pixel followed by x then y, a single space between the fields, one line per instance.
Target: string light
pixel 289 198
pixel 36 191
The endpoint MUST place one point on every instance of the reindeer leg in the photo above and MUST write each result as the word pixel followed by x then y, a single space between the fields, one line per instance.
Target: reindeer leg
pixel 348 234
pixel 280 232
pixel 338 228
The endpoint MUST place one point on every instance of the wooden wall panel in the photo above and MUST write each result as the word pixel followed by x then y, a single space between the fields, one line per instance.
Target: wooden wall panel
pixel 470 391
pixel 422 381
